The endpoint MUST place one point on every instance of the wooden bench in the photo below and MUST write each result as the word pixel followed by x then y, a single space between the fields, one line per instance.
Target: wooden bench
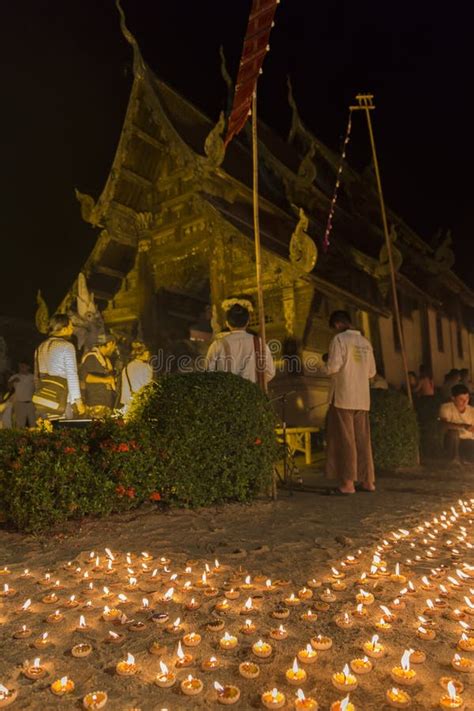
pixel 298 439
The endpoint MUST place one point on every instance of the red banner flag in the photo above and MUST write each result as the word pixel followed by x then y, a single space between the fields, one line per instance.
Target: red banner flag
pixel 253 53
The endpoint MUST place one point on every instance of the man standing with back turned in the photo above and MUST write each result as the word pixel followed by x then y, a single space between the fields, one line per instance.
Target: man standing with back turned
pixel 351 364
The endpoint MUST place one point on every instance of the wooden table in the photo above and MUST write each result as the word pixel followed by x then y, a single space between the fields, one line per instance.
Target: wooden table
pixel 298 439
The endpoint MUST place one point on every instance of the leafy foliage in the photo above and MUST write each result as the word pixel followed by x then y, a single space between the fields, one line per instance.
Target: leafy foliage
pixel 191 440
pixel 394 430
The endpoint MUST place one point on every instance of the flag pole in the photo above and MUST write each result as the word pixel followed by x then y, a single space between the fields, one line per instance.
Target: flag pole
pixel 258 250
pixel 365 102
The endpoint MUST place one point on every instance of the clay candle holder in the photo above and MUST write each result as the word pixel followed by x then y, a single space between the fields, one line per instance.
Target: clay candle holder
pixel 62 686
pixel 249 670
pixel 262 649
pixel 7 696
pixel 305 703
pixel 184 659
pixel 193 639
pixel 165 678
pixel 228 641
pixel 344 681
pixel 95 700
pixel 34 671
pixel 361 665
pixel 462 664
pixel 403 674
pixel 273 699
pixel 55 618
pixel 344 705
pixel 23 633
pixel 321 643
pixel 295 675
pixel 307 655
pixel 228 694
pixel 42 642
pixel 191 686
pixel 127 667
pixel 397 698
pixel 279 634
pixel 451 700
pixel 81 650
pixel 210 664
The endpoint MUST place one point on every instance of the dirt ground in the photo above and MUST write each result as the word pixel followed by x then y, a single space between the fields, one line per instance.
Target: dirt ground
pixel 293 540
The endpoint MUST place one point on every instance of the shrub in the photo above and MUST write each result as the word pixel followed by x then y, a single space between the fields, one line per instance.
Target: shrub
pixel 394 430
pixel 214 436
pixel 192 440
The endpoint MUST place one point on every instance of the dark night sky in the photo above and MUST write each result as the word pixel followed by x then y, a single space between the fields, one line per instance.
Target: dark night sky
pixel 66 76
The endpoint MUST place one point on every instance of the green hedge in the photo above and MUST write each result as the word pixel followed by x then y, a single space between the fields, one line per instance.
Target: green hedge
pixel 191 440
pixel 394 430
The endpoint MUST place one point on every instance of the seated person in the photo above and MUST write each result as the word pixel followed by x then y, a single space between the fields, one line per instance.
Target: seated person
pixel 457 418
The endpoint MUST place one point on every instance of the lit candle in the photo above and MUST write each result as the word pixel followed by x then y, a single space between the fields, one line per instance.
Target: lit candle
pixel 307 655
pixel 321 643
pixel 366 598
pixel 42 641
pixel 22 633
pixel 262 649
pixel 273 699
pixel 165 678
pixel 50 599
pixel 403 674
pixel 305 593
pixel 345 621
pixel 210 664
pixel 175 627
pixel 191 686
pixel 295 674
pixel 71 602
pixel 228 641
pixel 228 694
pixel 305 703
pixel 222 606
pixel 62 686
pixel 35 670
pixel 249 670
pixel 344 681
pixel 361 665
pixel 110 614
pixel 383 625
pixel 114 638
pixel 279 633
pixel 26 607
pixel 7 696
pixel 309 616
pixel 451 700
pixel 232 594
pixel 183 660
pixel 343 705
pixel 55 617
pixel 192 639
pixel 82 626
pixel 127 667
pixel 327 596
pixel 95 700
pixel 397 577
pixel 398 698
pixel 466 644
pixel 193 604
pixel 462 664
pixel 423 633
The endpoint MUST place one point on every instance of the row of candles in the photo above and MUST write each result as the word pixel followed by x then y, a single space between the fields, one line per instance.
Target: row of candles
pixel 422 540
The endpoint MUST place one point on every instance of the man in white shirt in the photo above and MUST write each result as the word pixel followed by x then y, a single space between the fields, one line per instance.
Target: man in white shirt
pixel 457 418
pixel 136 374
pixel 238 351
pixel 351 365
pixel 23 384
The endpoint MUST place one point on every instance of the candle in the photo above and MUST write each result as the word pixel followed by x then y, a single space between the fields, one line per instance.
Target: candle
pixel 192 639
pixel 7 591
pixel 127 667
pixel 114 638
pixel 215 625
pixel 81 650
pixel 305 593
pixel 50 599
pixel 403 674
pixel 262 649
pixel 458 685
pixel 232 594
pixel 222 606
pixel 72 602
pixel 279 633
pixel 321 643
pixel 451 700
pixel 62 686
pixel 191 686
pixel 175 627
pixel 280 612
pixel 273 699
pixel 248 607
pixel 365 598
pixel 82 626
pixel 344 705
pixel 344 681
pixel 466 644
pixel 160 618
pixel 35 670
pixel 210 664
pixel 248 627
pixel 42 641
pixel 228 694
pixel 95 700
pixel 26 607
pixel 305 703
pixel 7 696
pixel 417 657
pixel 307 655
pixel 361 665
pixel 313 583
pixel 156 648
pixel 383 625
pixel 396 577
pixel 462 664
pixel 183 659
pixel 55 617
pixel 398 698
pixel 165 678
pixel 295 675
pixel 345 621
pixel 22 633
pixel 327 596
pixel 309 616
pixel 111 614
pixel 228 641
pixel 249 670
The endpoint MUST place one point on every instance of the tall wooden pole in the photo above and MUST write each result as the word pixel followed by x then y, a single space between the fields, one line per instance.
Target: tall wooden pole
pixel 366 103
pixel 258 250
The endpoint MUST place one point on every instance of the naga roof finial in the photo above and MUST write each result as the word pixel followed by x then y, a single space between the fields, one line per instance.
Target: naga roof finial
pixel 137 57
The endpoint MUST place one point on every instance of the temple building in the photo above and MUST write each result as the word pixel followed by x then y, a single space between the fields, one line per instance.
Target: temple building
pixel 175 237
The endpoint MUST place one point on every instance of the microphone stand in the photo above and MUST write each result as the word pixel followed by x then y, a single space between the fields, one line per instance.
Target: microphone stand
pixel 285 443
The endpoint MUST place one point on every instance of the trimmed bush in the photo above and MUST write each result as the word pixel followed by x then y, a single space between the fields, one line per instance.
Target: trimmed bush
pixel 192 440
pixel 394 430
pixel 214 435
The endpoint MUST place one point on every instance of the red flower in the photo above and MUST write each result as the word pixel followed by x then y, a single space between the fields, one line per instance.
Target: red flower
pixel 131 493
pixel 69 450
pixel 121 490
pixel 155 496
pixel 258 440
pixel 123 447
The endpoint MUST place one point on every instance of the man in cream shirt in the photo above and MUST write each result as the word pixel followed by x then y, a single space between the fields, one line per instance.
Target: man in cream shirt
pixel 236 351
pixel 351 365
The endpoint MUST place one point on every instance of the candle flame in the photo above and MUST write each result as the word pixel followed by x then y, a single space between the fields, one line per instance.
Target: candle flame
pixel 64 681
pixel 168 594
pixel 130 659
pixel 300 695
pixel 217 564
pixel 37 662
pixel 26 604
pixel 274 693
pixel 248 604
pixel 346 671
pixel 468 603
pixel 295 668
pixel 4 691
pixel 451 691
pixel 405 662
pixel 345 703
pixel 309 649
pixel 44 635
pixel 114 635
pixel 179 652
pixel 177 622
pixel 227 636
pixel 397 569
pixel 218 687
pixel 82 621
pixel 268 583
pixel 163 667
